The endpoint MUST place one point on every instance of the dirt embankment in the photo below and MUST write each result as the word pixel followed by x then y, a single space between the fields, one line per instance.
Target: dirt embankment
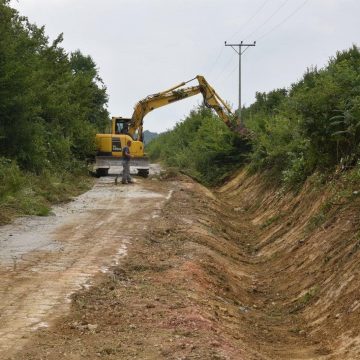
pixel 245 272
pixel 307 246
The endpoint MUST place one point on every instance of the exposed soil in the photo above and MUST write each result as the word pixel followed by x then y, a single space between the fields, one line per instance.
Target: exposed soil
pixel 244 272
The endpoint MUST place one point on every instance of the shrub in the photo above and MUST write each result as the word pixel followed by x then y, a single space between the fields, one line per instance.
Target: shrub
pixel 314 125
pixel 201 146
pixel 11 178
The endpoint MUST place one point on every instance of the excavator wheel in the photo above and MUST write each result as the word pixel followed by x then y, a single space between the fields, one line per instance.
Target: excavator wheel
pixel 143 172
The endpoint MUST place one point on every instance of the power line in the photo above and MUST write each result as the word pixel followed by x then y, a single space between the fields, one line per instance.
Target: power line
pixel 229 74
pixel 283 21
pixel 240 52
pixel 228 63
pixel 268 19
pixel 216 60
pixel 225 75
pixel 251 18
pixel 237 32
pixel 221 76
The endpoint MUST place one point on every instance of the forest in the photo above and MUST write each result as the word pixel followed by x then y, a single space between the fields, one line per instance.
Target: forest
pixel 51 105
pixel 311 126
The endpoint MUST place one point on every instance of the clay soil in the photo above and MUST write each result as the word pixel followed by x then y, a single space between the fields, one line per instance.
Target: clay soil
pixel 241 272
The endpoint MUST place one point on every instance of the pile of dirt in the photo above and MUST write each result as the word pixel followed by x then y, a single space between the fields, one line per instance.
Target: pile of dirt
pixel 245 272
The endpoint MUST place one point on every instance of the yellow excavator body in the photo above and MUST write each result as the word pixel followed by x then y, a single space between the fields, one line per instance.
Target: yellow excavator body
pixel 112 145
pixel 109 146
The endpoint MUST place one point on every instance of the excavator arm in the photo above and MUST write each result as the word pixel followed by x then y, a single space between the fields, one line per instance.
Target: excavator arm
pixel 214 101
pixel 177 93
pixel 109 146
pixel 151 102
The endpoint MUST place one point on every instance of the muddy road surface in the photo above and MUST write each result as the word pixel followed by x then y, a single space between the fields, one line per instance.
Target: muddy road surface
pixel 43 260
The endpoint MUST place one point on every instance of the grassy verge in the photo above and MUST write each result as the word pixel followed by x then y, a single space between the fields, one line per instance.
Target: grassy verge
pixel 24 193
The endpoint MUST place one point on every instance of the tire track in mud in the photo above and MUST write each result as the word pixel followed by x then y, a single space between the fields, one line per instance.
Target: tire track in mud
pixel 85 237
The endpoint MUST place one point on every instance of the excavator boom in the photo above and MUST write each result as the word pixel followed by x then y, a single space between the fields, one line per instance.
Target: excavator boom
pixel 151 102
pixel 177 93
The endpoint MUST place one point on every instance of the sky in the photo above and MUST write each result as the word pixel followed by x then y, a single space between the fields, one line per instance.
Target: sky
pixel 145 46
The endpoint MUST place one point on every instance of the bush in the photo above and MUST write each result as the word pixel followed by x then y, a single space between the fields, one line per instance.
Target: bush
pixel 314 125
pixel 201 146
pixel 52 103
pixel 11 178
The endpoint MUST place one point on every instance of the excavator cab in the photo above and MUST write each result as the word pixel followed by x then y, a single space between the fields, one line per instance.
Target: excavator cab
pixel 120 125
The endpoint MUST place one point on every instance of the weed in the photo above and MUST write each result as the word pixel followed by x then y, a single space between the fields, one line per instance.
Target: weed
pixel 295 330
pixel 169 173
pixel 23 193
pixel 139 268
pixel 108 351
pixel 316 221
pixel 309 295
pixel 271 220
pixel 356 246
pixel 305 299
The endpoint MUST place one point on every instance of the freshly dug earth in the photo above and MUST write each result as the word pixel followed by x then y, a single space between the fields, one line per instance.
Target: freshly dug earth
pixel 245 272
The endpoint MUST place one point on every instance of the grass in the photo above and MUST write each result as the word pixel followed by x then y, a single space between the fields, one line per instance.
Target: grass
pixel 345 191
pixel 305 299
pixel 316 221
pixel 24 193
pixel 272 220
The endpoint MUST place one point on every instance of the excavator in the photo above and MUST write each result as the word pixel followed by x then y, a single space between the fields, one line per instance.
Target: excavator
pixel 109 146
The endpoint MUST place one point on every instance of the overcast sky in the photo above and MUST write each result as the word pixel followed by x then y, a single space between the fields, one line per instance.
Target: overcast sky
pixel 145 46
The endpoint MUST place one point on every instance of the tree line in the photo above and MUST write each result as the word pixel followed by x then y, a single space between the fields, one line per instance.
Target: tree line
pixel 314 125
pixel 51 102
pixel 202 146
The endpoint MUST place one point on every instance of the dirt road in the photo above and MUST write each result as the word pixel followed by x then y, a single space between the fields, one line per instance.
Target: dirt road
pixel 184 290
pixel 44 260
pixel 167 269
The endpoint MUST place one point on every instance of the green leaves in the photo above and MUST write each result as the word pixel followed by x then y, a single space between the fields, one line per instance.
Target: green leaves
pixel 201 146
pixel 51 103
pixel 313 125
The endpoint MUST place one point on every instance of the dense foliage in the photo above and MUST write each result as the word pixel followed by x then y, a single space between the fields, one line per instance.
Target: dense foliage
pixel 51 105
pixel 201 146
pixel 313 125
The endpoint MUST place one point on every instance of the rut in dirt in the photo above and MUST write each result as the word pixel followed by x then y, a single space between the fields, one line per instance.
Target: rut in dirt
pixel 44 260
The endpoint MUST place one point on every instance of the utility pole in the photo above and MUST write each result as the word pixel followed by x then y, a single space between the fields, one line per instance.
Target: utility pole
pixel 240 51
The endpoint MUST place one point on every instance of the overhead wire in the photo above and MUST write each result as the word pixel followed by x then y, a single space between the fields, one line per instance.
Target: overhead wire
pixel 223 78
pixel 257 11
pixel 229 74
pixel 251 18
pixel 284 20
pixel 267 20
pixel 259 27
pixel 225 67
pixel 216 60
